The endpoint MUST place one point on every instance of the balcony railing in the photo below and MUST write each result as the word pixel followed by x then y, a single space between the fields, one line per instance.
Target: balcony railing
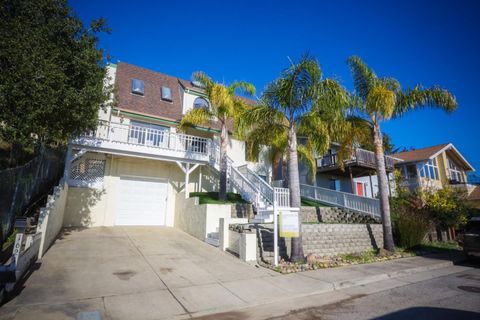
pixel 144 139
pixel 360 157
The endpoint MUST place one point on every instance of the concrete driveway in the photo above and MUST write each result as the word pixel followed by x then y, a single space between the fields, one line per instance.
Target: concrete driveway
pixel 135 273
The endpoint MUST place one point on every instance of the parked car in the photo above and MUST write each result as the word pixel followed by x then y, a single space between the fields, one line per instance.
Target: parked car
pixel 470 238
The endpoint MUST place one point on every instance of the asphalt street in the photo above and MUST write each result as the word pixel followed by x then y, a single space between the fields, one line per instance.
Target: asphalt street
pixel 454 296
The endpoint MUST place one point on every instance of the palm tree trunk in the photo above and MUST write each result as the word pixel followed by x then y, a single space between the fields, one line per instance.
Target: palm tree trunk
pixel 383 189
pixel 294 186
pixel 222 194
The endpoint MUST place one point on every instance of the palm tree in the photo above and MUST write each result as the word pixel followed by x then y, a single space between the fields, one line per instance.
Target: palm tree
pixel 297 104
pixel 225 106
pixel 380 99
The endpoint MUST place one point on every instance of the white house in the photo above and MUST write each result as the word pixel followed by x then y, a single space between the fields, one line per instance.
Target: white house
pixel 130 170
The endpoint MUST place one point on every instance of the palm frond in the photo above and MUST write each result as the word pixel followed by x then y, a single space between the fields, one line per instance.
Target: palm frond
pixel 294 91
pixel 418 97
pixel 332 100
pixel 381 101
pixel 363 76
pixel 205 81
pixel 243 87
pixel 391 84
pixel 195 117
pixel 307 155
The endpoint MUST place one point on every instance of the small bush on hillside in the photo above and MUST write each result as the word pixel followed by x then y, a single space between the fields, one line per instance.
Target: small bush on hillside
pixel 410 227
pixel 447 207
pixel 411 219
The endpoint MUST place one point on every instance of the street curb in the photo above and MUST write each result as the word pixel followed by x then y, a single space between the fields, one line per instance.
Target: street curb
pixel 339 285
pixel 389 275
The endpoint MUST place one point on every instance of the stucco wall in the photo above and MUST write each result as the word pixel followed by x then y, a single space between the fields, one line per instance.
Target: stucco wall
pixel 51 216
pixel 264 165
pixel 97 207
pixel 196 219
pixel 366 180
pixel 323 180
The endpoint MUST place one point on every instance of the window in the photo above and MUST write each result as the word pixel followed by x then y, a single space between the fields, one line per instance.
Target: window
pixel 456 174
pixel 335 184
pixel 148 134
pixel 200 103
pixel 410 171
pixel 166 94
pixel 137 87
pixel 429 169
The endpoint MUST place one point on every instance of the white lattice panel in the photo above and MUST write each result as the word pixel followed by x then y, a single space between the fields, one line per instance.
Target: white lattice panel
pixel 88 172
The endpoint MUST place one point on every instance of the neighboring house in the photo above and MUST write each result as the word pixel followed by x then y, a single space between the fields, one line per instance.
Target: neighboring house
pixel 434 167
pixel 131 169
pixel 473 198
pixel 428 168
pixel 357 176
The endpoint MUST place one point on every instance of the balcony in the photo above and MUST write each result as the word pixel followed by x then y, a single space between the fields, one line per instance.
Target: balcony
pixel 360 159
pixel 414 183
pixel 142 141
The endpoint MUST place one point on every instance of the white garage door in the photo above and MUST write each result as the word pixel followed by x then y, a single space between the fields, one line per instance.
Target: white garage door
pixel 141 202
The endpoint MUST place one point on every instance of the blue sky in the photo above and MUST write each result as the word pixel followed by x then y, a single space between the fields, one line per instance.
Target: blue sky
pixel 427 42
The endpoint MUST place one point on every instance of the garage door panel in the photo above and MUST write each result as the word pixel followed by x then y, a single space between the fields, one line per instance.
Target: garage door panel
pixel 141 201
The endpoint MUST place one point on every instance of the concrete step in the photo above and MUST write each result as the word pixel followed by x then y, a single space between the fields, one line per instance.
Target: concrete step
pixel 213 238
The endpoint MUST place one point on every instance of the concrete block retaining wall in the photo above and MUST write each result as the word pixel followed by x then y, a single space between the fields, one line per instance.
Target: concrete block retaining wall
pixel 333 215
pixel 326 240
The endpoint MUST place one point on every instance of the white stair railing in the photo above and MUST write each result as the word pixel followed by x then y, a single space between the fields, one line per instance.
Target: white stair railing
pixel 244 187
pixel 342 199
pixel 282 197
pixel 266 191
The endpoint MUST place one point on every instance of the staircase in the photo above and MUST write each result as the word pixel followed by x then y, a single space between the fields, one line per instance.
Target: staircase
pixel 251 187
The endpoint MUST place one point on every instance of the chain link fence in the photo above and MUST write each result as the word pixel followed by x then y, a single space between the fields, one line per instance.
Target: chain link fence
pixel 22 186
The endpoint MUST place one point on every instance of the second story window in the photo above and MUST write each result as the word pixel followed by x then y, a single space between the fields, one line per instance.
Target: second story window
pixel 200 103
pixel 430 170
pixel 166 94
pixel 138 87
pixel 456 175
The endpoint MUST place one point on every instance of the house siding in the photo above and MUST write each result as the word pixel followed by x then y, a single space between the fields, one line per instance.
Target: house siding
pixel 87 207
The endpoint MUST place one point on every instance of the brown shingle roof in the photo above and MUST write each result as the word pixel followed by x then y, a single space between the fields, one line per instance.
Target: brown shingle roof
pixel 419 154
pixel 475 194
pixel 151 102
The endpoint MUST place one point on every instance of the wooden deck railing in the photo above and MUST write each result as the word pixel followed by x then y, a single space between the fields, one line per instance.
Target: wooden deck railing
pixel 360 157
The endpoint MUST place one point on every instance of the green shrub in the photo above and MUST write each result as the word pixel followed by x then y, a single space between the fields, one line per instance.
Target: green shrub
pixel 410 227
pixel 212 198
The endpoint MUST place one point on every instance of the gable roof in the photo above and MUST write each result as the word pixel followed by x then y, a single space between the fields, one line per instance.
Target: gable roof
pixel 430 153
pixel 420 154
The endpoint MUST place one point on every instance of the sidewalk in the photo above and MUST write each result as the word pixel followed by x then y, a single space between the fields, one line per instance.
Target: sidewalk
pixel 325 282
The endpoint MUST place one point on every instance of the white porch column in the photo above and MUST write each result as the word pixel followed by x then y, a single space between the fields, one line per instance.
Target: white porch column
pixel 187 170
pixel 200 179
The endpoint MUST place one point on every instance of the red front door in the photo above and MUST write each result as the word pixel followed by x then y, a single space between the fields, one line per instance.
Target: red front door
pixel 359 189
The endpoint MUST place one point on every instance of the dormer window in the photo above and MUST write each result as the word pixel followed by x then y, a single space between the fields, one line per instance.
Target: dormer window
pixel 166 94
pixel 138 87
pixel 200 103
